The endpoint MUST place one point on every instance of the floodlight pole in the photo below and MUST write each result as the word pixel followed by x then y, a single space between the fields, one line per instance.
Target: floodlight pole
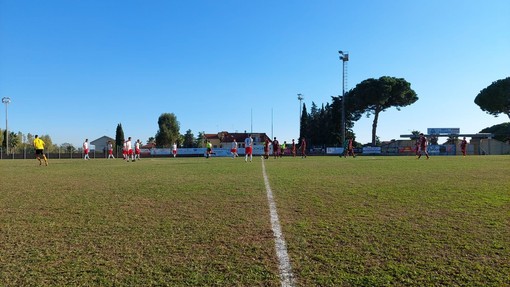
pixel 344 57
pixel 300 97
pixel 6 101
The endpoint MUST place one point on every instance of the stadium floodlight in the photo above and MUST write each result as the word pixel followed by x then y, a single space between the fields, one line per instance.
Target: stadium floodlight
pixel 300 97
pixel 344 57
pixel 6 101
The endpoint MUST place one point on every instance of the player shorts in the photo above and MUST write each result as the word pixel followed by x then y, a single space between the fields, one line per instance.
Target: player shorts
pixel 174 151
pixel 130 152
pixel 234 150
pixel 248 150
pixel 110 151
pixel 86 151
pixel 137 151
pixel 38 151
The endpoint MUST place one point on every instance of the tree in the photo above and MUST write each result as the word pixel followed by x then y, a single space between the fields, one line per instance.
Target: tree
pixel 314 126
pixel 151 140
pixel 303 127
pixel 352 114
pixel 14 140
pixel 501 132
pixel 48 143
pixel 189 140
pixel 30 138
pixel 200 140
pixel 168 132
pixel 222 136
pixel 495 99
pixel 67 147
pixel 24 143
pixel 119 136
pixel 373 96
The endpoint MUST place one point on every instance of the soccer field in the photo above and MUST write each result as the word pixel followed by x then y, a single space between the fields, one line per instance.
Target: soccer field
pixel 365 221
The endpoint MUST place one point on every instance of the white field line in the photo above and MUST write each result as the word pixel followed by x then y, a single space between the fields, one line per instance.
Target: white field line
pixel 286 276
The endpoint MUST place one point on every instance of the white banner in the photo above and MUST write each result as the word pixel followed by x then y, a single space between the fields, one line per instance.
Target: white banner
pixel 371 150
pixel 443 131
pixel 161 151
pixel 334 150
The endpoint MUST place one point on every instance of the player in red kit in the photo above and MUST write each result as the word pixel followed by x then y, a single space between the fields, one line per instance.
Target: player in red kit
pixel 267 142
pixel 293 148
pixel 350 148
pixel 423 146
pixel 303 148
pixel 463 146
pixel 276 148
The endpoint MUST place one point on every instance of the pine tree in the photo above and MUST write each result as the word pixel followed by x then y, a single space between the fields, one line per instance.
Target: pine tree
pixel 119 136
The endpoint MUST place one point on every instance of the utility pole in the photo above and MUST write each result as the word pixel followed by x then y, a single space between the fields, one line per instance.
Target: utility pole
pixel 344 57
pixel 6 101
pixel 300 97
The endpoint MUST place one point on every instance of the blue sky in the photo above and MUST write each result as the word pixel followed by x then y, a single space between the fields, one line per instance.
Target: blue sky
pixel 75 69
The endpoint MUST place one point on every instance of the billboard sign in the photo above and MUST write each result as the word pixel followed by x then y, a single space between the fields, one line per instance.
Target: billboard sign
pixel 443 131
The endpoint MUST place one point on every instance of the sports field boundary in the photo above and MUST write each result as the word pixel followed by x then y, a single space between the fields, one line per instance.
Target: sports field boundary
pixel 286 275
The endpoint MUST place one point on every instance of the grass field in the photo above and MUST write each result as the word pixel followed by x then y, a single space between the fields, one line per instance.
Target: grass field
pixel 368 221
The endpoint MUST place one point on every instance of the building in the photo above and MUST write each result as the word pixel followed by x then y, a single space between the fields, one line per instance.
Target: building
pixel 101 143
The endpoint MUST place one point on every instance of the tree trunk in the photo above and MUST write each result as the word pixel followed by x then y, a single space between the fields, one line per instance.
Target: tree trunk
pixel 374 125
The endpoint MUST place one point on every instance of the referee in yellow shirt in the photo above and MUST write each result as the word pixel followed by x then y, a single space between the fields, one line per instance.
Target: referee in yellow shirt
pixel 39 150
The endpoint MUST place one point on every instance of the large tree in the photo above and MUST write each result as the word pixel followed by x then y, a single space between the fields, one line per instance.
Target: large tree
pixel 314 126
pixel 200 140
pixel 119 136
pixel 495 99
pixel 168 132
pixel 189 139
pixel 48 143
pixel 322 126
pixel 14 140
pixel 352 114
pixel 374 96
pixel 501 132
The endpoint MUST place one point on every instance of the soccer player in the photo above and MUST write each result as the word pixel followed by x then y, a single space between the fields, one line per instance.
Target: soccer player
pixel 86 149
pixel 209 149
pixel 39 150
pixel 137 149
pixel 174 149
pixel 124 150
pixel 267 142
pixel 283 148
pixel 293 148
pixel 423 146
pixel 303 147
pixel 129 150
pixel 233 150
pixel 417 146
pixel 110 150
pixel 463 146
pixel 248 146
pixel 350 148
pixel 276 148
